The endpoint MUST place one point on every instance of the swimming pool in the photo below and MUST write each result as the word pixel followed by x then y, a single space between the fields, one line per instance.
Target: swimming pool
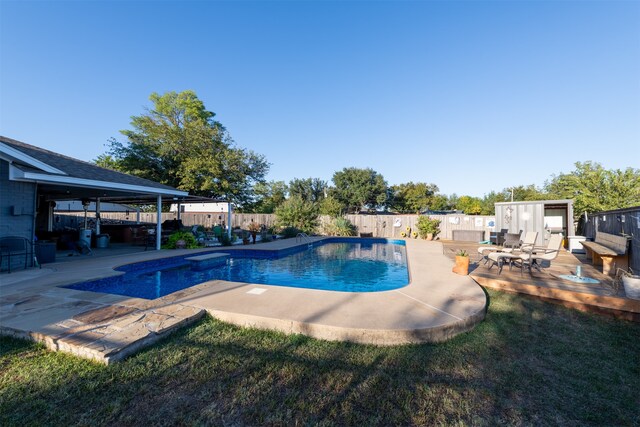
pixel 336 264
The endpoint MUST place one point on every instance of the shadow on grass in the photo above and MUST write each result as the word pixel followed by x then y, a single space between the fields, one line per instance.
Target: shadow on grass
pixel 528 363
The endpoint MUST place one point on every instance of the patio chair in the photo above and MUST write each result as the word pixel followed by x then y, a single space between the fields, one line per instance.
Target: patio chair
pixel 528 242
pixel 15 246
pixel 512 240
pixel 512 243
pixel 497 237
pixel 484 250
pixel 200 236
pixel 534 258
pixel 512 254
pixel 500 258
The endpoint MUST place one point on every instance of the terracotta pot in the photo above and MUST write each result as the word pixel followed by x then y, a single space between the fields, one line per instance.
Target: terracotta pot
pixel 462 265
pixel 429 236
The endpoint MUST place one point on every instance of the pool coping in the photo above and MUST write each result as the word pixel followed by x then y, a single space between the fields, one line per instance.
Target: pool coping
pixel 435 306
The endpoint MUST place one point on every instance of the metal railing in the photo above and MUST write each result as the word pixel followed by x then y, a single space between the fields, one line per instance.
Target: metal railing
pixel 303 237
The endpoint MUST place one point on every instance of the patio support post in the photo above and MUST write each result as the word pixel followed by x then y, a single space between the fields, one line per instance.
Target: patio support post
pixel 229 219
pixel 97 215
pixel 159 222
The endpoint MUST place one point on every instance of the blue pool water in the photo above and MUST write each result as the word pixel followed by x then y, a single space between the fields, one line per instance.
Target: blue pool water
pixel 347 265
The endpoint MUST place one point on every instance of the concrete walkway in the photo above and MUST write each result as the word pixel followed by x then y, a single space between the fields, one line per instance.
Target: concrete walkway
pixel 435 306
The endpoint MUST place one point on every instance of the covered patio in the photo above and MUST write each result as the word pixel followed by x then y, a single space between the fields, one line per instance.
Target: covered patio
pixel 33 180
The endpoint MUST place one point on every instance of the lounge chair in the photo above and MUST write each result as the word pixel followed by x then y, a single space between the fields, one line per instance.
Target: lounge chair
pixel 511 241
pixel 512 254
pixel 528 242
pixel 484 250
pixel 499 259
pixel 531 259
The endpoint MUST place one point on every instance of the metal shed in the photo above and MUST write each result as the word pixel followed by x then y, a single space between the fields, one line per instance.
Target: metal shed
pixel 544 216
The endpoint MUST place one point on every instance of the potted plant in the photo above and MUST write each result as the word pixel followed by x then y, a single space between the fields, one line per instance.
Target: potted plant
pixel 181 240
pixel 631 284
pixel 273 232
pixel 254 228
pixel 462 263
pixel 427 227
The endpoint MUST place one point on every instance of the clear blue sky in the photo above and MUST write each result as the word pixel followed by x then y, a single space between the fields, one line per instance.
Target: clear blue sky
pixel 472 96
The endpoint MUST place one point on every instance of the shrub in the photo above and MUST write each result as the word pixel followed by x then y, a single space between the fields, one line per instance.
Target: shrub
pixel 225 240
pixel 289 232
pixel 341 227
pixel 189 240
pixel 297 213
pixel 426 225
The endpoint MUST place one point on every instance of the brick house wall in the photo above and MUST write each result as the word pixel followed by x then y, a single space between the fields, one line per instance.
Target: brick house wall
pixel 17 210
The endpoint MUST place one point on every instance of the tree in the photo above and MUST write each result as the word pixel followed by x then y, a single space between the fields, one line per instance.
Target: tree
pixel 595 189
pixel 330 206
pixel 439 202
pixel 469 205
pixel 357 189
pixel 297 213
pixel 489 201
pixel 309 189
pixel 178 143
pixel 107 161
pixel 412 197
pixel 520 193
pixel 268 197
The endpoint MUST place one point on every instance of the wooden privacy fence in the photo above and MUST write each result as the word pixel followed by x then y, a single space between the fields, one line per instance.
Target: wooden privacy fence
pixel 379 225
pixel 621 222
pixel 393 225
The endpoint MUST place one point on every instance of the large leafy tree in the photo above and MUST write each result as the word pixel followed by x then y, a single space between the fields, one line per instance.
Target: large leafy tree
pixel 594 188
pixel 412 197
pixel 268 196
pixel 469 205
pixel 309 189
pixel 179 143
pixel 357 189
pixel 439 202
pixel 520 193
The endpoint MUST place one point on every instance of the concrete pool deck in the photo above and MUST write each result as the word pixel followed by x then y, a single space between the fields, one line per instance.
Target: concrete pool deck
pixel 435 306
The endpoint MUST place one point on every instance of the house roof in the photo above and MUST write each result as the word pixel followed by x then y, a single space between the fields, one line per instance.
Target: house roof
pixel 35 163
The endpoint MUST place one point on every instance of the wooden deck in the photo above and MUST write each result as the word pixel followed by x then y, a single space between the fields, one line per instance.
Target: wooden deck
pixel 603 297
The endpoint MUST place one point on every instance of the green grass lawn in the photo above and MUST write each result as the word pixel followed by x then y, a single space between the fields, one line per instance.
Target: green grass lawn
pixel 529 362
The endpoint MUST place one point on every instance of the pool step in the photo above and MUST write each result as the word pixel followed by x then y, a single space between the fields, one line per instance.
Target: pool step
pixel 203 262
